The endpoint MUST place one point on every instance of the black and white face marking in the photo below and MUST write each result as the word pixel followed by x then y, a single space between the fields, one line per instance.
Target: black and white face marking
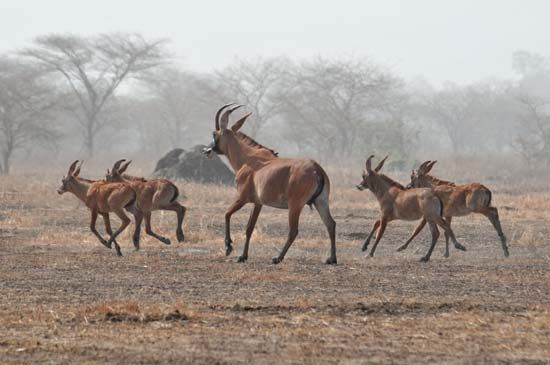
pixel 363 184
pixel 63 188
pixel 212 147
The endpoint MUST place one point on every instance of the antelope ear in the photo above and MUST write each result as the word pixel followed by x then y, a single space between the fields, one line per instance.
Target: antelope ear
pixel 124 167
pixel 429 166
pixel 380 164
pixel 239 123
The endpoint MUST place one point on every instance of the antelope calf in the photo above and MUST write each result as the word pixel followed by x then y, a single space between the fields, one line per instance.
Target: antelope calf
pixel 154 194
pixel 101 198
pixel 398 203
pixel 263 178
pixel 458 200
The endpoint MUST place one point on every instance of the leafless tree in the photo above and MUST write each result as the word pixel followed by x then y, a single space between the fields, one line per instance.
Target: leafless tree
pixel 533 141
pixel 453 110
pixel 176 100
pixel 27 109
pixel 332 105
pixel 94 68
pixel 254 84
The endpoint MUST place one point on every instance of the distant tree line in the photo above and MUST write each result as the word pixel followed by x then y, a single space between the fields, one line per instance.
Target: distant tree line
pixel 122 92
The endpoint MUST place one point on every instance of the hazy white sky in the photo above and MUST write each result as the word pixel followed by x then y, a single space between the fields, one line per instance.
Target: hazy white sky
pixel 459 40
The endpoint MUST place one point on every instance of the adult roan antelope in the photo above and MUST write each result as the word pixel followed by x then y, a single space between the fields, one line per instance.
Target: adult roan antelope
pixel 458 200
pixel 101 198
pixel 398 203
pixel 153 194
pixel 263 178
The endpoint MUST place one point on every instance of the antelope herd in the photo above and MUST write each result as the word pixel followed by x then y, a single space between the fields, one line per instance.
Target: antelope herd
pixel 264 178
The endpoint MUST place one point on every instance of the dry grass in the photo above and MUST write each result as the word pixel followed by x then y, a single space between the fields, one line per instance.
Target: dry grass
pixel 66 299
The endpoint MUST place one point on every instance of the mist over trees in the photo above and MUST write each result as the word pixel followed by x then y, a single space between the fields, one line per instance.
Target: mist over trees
pixel 28 109
pixel 93 69
pixel 65 96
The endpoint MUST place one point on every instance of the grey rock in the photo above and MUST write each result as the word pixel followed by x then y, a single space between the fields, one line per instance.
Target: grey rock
pixel 193 165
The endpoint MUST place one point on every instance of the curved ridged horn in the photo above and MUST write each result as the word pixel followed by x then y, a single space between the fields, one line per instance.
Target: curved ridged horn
pixel 71 168
pixel 422 167
pixel 117 165
pixel 225 117
pixel 123 168
pixel 429 167
pixel 218 115
pixel 368 164
pixel 77 171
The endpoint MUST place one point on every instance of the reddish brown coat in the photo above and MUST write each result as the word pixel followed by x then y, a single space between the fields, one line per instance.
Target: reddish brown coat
pixel 398 203
pixel 265 179
pixel 101 198
pixel 459 200
pixel 154 194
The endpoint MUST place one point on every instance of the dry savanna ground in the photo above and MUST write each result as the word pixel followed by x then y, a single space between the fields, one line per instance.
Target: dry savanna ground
pixel 64 298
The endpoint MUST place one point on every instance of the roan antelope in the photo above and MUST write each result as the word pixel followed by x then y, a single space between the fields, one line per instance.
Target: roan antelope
pixel 263 178
pixel 154 194
pixel 458 200
pixel 101 198
pixel 398 203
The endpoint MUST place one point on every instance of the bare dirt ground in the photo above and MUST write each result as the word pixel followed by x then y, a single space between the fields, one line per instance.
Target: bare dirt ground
pixel 66 299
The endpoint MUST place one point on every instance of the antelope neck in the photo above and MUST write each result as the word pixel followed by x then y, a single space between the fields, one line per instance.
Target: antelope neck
pixel 240 154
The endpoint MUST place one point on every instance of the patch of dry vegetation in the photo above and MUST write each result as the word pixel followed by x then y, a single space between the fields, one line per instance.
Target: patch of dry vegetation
pixel 66 299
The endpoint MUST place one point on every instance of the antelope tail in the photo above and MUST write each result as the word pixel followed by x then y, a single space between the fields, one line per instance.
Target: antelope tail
pixel 176 194
pixel 319 190
pixel 490 197
pixel 132 202
pixel 441 207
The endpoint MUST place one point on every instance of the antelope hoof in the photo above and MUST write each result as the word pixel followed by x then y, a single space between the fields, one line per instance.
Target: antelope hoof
pixel 365 246
pixel 118 252
pixel 424 259
pixel 276 261
pixel 401 248
pixel 180 236
pixel 108 244
pixel 458 246
pixel 166 241
pixel 228 247
pixel 242 258
pixel 331 261
pixel 506 253
pixel 446 254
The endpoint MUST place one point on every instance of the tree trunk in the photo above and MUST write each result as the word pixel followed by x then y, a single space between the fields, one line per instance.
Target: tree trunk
pixel 89 138
pixel 5 168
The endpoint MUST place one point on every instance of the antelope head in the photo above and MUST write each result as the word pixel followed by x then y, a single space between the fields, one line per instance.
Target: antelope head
pixel 69 181
pixel 222 135
pixel 418 177
pixel 115 174
pixel 369 175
